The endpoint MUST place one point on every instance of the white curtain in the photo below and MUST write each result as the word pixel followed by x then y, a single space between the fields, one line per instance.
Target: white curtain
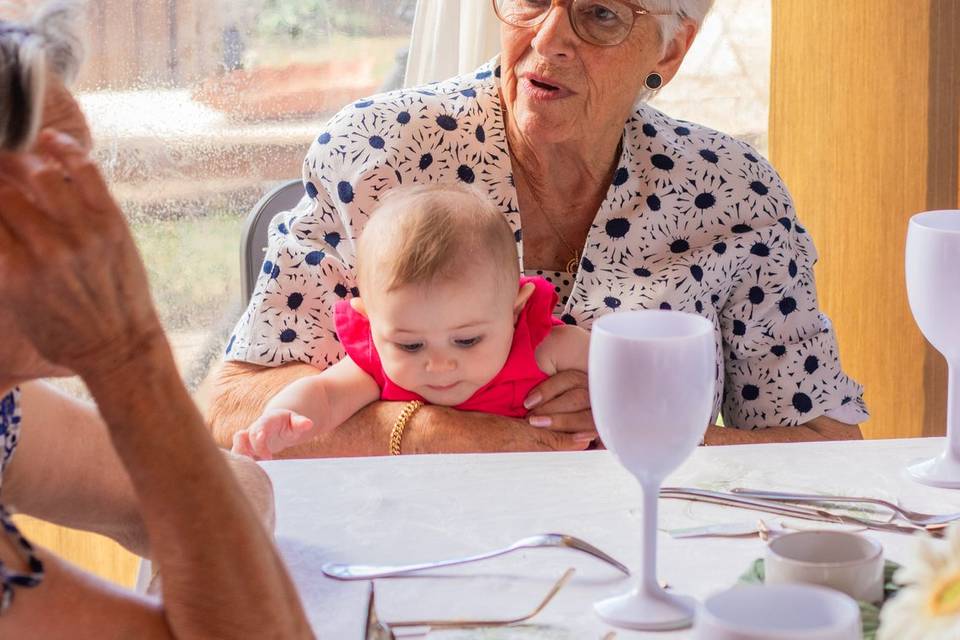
pixel 450 37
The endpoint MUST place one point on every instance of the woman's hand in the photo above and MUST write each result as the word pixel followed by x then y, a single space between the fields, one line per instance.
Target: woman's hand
pixel 68 264
pixel 562 403
pixel 19 360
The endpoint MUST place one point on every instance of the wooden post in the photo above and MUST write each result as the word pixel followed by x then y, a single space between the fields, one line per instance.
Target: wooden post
pixel 864 111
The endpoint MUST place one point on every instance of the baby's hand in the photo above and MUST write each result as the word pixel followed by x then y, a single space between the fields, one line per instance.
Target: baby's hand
pixel 274 431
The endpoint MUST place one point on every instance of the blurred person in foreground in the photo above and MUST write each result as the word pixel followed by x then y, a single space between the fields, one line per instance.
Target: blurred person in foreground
pixel 139 466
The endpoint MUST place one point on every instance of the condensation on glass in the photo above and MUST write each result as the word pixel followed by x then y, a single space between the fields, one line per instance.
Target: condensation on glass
pixel 199 106
pixel 724 82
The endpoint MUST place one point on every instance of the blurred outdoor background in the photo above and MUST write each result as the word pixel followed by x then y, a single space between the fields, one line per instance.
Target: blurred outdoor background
pixel 200 106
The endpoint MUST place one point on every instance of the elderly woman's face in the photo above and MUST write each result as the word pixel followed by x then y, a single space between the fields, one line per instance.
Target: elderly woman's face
pixel 559 88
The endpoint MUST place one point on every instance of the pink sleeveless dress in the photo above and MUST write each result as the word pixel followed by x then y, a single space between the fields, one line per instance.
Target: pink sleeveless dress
pixel 505 393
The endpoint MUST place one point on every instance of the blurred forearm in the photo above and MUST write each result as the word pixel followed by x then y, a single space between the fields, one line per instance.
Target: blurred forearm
pixel 67 434
pixel 205 536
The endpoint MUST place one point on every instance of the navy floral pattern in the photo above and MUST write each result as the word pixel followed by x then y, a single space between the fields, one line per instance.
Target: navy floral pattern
pixel 9 434
pixel 693 220
pixel 9 428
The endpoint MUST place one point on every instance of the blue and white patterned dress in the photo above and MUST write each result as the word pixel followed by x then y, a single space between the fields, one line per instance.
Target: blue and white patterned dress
pixel 9 428
pixel 9 435
pixel 694 220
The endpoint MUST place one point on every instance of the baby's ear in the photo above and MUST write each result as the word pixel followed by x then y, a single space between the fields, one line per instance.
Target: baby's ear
pixel 522 296
pixel 358 306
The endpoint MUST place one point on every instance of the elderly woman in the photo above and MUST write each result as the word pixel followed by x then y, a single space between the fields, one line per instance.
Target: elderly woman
pixel 75 298
pixel 619 205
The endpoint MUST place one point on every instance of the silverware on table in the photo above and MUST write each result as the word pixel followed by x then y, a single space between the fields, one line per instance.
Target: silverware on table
pixel 366 572
pixel 375 630
pixel 791 510
pixel 725 530
pixel 467 624
pixel 913 517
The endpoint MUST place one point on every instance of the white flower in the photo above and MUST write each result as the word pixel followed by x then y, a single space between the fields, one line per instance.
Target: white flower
pixel 928 607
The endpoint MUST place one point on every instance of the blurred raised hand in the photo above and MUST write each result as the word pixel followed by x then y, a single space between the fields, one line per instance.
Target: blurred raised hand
pixel 68 263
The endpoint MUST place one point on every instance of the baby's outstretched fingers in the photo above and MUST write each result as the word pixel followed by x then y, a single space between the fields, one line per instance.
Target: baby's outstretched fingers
pixel 295 429
pixel 241 444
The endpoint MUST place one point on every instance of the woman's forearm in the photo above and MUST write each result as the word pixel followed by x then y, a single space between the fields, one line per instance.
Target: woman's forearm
pixel 204 535
pixel 66 434
pixel 433 429
pixel 243 390
pixel 241 393
pixel 818 429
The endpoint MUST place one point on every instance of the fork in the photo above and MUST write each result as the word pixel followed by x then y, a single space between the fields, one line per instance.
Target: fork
pixel 913 517
pixel 771 506
pixel 366 572
pixel 376 630
pixel 466 624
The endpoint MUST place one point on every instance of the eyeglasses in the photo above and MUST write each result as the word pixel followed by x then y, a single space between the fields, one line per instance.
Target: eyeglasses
pixel 605 23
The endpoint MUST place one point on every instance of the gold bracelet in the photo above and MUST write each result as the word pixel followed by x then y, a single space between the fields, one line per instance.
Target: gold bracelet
pixel 396 435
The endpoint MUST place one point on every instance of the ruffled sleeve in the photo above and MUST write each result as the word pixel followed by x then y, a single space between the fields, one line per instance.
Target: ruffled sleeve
pixel 781 360
pixel 353 331
pixel 537 314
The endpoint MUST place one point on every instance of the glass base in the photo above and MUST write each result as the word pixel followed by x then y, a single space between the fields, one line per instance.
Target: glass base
pixel 942 471
pixel 658 611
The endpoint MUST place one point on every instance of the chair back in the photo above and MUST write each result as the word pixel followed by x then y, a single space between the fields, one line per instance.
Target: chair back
pixel 253 242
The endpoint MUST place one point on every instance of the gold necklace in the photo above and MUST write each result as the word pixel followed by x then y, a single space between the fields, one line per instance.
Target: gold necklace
pixel 574 262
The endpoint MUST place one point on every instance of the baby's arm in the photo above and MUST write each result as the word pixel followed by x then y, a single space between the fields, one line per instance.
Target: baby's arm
pixel 566 347
pixel 307 408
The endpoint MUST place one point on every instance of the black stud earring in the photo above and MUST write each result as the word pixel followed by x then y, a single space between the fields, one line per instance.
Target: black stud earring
pixel 653 81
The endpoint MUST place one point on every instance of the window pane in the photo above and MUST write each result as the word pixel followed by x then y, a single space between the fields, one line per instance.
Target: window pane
pixel 199 106
pixel 724 82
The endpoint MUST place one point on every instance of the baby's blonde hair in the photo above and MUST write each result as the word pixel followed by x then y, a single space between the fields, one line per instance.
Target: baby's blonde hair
pixel 433 233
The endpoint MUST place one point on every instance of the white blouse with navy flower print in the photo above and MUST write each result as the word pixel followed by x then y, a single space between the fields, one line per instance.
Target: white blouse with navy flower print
pixel 694 220
pixel 9 429
pixel 11 580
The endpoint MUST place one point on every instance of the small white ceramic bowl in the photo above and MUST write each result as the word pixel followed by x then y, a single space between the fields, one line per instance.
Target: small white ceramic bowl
pixel 778 612
pixel 842 560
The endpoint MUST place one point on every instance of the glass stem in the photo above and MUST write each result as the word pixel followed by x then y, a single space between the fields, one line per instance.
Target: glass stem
pixel 651 494
pixel 953 409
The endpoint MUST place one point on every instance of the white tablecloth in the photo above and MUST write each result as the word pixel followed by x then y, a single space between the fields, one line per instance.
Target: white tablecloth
pixel 420 508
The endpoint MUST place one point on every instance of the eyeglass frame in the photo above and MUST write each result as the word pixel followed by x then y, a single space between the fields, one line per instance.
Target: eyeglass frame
pixel 634 9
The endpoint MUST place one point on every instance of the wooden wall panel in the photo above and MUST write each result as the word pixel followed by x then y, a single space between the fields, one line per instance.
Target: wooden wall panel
pixel 864 108
pixel 96 554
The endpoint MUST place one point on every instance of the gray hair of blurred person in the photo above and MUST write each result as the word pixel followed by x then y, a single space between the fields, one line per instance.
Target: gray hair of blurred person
pixel 46 42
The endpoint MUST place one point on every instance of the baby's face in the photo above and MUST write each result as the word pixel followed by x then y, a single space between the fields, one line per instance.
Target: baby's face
pixel 444 341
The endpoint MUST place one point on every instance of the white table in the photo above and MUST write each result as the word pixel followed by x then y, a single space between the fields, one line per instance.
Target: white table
pixel 420 508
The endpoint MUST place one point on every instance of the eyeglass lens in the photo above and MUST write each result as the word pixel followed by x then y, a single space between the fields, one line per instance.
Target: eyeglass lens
pixel 603 22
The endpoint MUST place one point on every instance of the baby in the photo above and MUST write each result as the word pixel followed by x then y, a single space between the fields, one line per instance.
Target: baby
pixel 444 318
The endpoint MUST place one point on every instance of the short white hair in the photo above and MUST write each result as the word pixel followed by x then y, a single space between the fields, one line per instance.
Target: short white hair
pixel 45 41
pixel 675 12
